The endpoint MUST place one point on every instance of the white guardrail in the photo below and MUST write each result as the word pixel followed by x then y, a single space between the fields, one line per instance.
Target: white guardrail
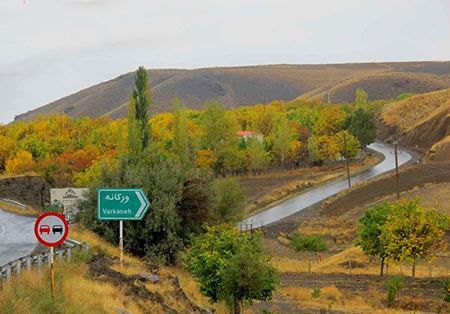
pixel 14 203
pixel 37 260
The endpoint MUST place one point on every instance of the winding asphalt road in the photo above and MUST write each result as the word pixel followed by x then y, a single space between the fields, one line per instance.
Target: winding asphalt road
pixel 312 197
pixel 17 237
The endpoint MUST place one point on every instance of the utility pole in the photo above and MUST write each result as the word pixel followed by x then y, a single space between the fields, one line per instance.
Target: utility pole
pixel 346 161
pixel 396 170
pixel 329 95
pixel 121 242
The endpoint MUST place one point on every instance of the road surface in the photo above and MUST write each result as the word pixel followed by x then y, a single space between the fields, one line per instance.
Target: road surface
pixel 309 198
pixel 16 236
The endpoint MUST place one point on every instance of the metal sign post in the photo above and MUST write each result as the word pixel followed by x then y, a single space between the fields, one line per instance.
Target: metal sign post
pixel 51 229
pixel 121 243
pixel 52 271
pixel 121 204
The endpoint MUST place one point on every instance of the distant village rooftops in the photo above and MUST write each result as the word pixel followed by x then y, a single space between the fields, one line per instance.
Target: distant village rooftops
pixel 250 134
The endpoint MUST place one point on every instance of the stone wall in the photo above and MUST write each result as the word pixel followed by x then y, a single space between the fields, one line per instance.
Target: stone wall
pixel 29 190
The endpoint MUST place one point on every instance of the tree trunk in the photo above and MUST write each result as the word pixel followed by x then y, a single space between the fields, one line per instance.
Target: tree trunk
pixel 413 275
pixel 382 267
pixel 237 307
pixel 317 258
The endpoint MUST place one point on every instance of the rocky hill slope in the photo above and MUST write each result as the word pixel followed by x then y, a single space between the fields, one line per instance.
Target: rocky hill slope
pixel 241 86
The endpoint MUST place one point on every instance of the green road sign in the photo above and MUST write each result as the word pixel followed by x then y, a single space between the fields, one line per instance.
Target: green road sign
pixel 122 204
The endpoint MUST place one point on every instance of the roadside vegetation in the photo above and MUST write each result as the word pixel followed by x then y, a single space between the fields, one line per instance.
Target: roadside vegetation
pixel 245 140
pixel 198 169
pixel 94 283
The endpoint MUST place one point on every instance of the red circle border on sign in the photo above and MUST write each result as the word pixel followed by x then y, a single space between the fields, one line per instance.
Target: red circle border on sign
pixel 36 231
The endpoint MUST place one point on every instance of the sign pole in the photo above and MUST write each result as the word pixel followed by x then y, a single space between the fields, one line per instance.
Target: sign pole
pixel 121 243
pixel 52 270
pixel 396 170
pixel 346 161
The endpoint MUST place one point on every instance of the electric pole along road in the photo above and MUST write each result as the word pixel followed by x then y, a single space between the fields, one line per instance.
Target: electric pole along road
pixel 316 195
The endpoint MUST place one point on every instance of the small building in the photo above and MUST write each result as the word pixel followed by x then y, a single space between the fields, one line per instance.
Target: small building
pixel 250 134
pixel 68 198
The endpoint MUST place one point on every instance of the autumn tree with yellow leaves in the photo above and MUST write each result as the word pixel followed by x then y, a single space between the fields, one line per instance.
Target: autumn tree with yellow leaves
pixel 412 232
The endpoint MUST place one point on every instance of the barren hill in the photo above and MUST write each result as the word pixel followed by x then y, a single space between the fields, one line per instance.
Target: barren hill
pixel 240 86
pixel 384 85
pixel 421 122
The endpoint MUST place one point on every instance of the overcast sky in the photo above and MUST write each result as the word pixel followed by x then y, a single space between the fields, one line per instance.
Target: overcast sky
pixel 52 48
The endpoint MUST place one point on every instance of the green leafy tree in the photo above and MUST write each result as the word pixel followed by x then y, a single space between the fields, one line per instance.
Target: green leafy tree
pixel 257 155
pixel 352 148
pixel 313 243
pixel 361 98
pixel 313 154
pixel 411 232
pixel 369 231
pixel 393 285
pixel 180 202
pixel 248 277
pixel 180 129
pixel 229 198
pixel 445 290
pixel 135 135
pixel 364 126
pixel 282 140
pixel 219 131
pixel 219 127
pixel 142 101
pixel 231 267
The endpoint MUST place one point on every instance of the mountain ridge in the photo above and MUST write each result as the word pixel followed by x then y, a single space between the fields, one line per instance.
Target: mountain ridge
pixel 249 85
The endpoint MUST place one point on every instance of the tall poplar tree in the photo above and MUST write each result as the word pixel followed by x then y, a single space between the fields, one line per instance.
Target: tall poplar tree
pixel 142 101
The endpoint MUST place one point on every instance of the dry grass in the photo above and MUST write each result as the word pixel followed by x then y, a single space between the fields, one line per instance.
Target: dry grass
pixel 407 114
pixel 331 298
pixel 18 210
pixel 334 227
pixel 361 265
pixel 76 293
pixel 439 151
pixel 381 85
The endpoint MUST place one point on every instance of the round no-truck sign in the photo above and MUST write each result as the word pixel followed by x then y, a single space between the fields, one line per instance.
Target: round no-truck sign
pixel 51 229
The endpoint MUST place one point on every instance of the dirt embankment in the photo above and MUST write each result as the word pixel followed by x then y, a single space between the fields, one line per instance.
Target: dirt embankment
pixel 421 122
pixel 29 190
pixel 409 178
pixel 134 286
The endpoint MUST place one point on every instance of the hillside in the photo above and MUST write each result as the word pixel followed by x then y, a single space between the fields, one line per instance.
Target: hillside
pixel 385 85
pixel 421 122
pixel 241 86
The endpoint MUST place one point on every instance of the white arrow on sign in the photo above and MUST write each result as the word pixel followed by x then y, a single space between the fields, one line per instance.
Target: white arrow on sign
pixel 143 204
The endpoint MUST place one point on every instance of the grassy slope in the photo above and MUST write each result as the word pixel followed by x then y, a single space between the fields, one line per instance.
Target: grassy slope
pixel 362 291
pixel 385 85
pixel 420 122
pixel 78 293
